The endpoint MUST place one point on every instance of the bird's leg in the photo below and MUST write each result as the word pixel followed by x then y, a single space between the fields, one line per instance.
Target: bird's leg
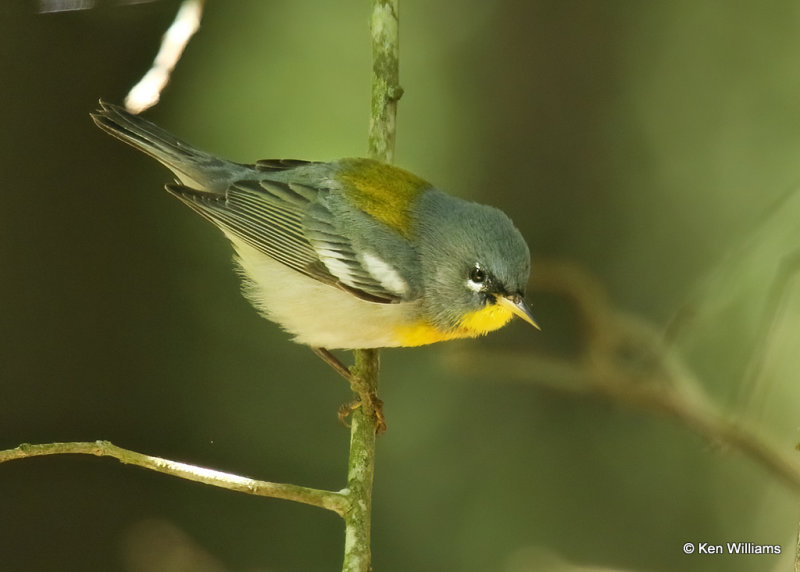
pixel 346 409
pixel 334 362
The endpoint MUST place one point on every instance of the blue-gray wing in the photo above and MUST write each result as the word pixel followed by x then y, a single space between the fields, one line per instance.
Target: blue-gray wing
pixel 287 222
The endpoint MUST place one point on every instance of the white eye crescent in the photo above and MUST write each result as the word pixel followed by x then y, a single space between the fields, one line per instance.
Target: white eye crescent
pixel 477 278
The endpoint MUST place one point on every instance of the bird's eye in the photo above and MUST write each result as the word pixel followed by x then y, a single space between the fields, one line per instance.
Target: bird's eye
pixel 477 275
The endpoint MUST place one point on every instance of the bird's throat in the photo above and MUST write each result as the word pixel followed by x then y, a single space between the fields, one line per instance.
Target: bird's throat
pixel 473 324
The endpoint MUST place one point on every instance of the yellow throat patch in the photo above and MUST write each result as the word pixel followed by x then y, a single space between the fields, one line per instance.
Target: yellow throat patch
pixel 473 324
pixel 382 191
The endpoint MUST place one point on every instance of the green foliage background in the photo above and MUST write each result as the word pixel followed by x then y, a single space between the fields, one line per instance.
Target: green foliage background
pixel 640 140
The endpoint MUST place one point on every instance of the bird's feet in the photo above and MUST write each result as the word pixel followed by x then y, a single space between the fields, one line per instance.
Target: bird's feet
pixel 374 406
pixel 368 399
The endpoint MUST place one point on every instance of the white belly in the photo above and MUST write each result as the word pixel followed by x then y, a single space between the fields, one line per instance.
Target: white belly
pixel 317 314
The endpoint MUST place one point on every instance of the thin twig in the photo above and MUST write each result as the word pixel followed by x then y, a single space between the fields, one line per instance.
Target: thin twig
pixel 366 420
pixel 768 333
pixel 147 92
pixel 330 500
pixel 625 360
pixel 361 467
pixel 386 90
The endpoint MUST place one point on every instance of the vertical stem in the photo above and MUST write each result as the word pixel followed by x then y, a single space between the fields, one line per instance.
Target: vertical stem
pixel 386 90
pixel 361 466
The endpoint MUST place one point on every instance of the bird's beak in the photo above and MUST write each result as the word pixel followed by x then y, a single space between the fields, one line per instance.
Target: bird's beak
pixel 517 305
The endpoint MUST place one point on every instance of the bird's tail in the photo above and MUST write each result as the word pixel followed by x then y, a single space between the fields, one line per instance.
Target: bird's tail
pixel 194 168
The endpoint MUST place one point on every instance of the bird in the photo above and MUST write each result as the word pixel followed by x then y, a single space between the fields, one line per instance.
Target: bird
pixel 348 254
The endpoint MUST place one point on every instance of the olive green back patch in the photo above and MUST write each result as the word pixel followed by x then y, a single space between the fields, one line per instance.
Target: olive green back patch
pixel 382 191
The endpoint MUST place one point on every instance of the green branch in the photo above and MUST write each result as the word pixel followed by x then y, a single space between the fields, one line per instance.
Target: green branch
pixel 330 500
pixel 361 465
pixel 365 422
pixel 386 90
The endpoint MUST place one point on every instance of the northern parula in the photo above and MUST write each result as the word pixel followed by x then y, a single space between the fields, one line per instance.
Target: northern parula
pixel 349 254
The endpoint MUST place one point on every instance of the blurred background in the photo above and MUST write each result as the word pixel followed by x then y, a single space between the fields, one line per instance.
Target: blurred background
pixel 646 144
